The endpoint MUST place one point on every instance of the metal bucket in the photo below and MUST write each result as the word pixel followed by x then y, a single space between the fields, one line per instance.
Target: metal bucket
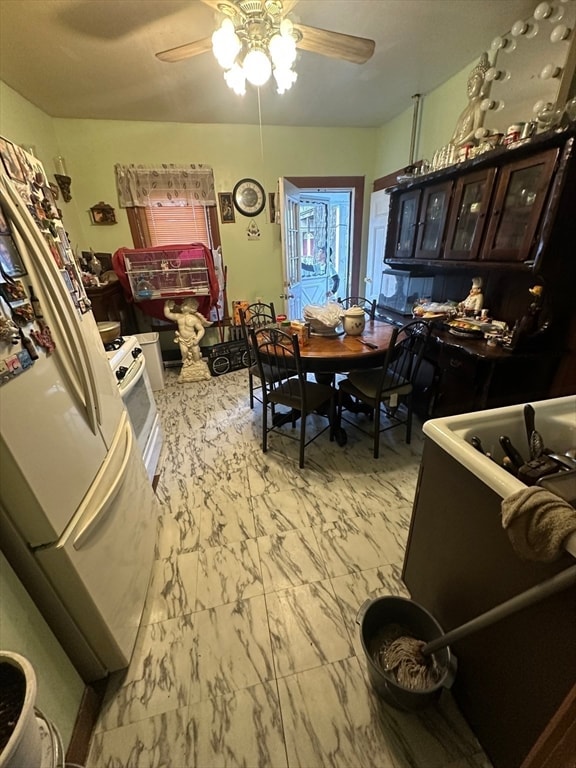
pixel 375 618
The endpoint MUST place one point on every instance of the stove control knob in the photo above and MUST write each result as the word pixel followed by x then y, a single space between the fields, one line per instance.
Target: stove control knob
pixel 121 371
pixel 136 352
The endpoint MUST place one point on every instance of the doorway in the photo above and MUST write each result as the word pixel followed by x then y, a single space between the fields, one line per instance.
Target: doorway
pixel 321 228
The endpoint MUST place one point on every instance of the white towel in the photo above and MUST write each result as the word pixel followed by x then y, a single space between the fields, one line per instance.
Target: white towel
pixel 537 522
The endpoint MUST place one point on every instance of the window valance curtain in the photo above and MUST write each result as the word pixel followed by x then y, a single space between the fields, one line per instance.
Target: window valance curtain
pixel 165 185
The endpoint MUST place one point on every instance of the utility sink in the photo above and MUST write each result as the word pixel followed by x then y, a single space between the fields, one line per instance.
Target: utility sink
pixel 555 420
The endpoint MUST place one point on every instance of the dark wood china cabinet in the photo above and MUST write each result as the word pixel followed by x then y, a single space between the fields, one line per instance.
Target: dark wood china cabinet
pixel 421 218
pixel 406 220
pixel 508 216
pixel 519 200
pixel 433 213
pixel 472 194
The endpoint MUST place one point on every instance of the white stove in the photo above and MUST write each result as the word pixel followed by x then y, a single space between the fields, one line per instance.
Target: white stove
pixel 128 364
pixel 117 349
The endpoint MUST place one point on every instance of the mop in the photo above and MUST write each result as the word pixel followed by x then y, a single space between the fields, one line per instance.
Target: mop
pixel 537 523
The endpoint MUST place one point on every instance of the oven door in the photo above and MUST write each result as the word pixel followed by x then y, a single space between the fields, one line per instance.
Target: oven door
pixel 138 398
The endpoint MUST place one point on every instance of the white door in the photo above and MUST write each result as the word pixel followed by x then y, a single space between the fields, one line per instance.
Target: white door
pixel 290 237
pixel 377 228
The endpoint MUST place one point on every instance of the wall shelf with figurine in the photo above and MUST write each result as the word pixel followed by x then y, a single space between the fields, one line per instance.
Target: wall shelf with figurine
pixel 174 272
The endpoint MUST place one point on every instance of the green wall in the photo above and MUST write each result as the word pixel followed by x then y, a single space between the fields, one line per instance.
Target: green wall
pixel 234 152
pixel 24 631
pixel 439 111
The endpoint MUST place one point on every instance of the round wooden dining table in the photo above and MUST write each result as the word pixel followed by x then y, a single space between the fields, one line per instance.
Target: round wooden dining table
pixel 334 354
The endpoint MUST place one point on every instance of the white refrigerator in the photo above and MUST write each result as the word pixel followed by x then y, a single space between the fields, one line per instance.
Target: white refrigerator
pixel 77 512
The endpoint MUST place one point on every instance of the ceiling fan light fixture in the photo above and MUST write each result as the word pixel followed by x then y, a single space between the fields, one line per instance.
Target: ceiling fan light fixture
pixel 236 80
pixel 282 50
pixel 257 67
pixel 285 79
pixel 226 44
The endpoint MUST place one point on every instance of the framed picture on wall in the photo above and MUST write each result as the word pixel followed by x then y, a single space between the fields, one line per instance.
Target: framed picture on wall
pixel 226 208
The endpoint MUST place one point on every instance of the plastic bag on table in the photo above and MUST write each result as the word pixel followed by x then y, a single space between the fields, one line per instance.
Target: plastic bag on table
pixel 323 318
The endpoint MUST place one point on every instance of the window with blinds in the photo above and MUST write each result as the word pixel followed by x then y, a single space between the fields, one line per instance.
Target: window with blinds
pixel 171 225
pixel 178 224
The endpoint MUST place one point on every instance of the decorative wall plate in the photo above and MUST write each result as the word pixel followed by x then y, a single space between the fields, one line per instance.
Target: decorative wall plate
pixel 249 197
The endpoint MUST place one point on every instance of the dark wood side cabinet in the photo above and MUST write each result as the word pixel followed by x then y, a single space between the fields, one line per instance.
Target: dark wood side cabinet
pixel 459 375
pixel 108 303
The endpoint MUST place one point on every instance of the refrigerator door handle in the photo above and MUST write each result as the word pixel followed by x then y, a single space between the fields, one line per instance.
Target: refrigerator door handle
pixel 89 522
pixel 97 502
pixel 79 373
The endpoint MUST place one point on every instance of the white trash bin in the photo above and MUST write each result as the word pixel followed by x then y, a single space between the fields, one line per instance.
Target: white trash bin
pixel 150 343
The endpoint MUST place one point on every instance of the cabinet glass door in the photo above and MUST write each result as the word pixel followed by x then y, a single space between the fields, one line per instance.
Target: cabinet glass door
pixel 466 223
pixel 520 197
pixel 407 217
pixel 435 201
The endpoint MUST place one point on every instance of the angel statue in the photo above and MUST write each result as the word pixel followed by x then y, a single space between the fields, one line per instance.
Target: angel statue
pixel 191 329
pixel 472 115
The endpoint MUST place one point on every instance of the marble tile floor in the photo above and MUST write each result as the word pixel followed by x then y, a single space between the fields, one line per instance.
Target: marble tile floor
pixel 249 655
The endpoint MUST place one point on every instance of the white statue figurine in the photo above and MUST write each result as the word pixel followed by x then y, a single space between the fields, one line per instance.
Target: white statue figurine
pixel 475 300
pixel 191 329
pixel 472 116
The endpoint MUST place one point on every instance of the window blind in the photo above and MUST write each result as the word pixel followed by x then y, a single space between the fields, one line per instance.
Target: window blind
pixel 169 225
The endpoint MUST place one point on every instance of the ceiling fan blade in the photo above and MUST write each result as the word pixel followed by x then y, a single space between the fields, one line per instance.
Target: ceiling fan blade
pixel 335 44
pixel 186 51
pixel 215 3
pixel 287 6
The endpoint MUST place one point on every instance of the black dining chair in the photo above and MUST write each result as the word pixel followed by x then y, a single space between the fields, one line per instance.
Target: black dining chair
pixel 388 389
pixel 359 301
pixel 284 383
pixel 255 315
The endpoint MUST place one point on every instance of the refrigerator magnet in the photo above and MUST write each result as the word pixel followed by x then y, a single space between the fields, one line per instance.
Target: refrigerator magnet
pixel 23 314
pixel 13 291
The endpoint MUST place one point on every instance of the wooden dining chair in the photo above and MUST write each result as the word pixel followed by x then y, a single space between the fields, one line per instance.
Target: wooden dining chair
pixel 284 383
pixel 255 315
pixel 388 390
pixel 359 301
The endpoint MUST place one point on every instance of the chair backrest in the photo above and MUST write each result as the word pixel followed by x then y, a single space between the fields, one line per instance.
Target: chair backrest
pixel 259 314
pixel 359 301
pixel 405 352
pixel 278 358
pixel 255 315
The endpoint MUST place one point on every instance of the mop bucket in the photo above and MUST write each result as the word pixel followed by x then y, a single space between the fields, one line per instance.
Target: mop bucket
pixel 386 618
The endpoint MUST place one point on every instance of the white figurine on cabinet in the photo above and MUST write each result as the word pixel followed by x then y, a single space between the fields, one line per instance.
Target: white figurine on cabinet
pixel 474 302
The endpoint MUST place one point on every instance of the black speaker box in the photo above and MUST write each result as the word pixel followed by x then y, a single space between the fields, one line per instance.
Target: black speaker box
pixel 228 356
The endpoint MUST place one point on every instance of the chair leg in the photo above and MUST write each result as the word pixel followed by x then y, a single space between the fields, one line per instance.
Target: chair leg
pixel 332 417
pixel 377 431
pixel 264 425
pixel 303 418
pixel 251 388
pixel 409 420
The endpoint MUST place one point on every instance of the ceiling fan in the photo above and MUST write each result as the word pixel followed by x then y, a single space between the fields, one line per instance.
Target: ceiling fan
pixel 256 22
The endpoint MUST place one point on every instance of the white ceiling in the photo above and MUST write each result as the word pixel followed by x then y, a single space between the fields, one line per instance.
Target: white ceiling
pixel 95 59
